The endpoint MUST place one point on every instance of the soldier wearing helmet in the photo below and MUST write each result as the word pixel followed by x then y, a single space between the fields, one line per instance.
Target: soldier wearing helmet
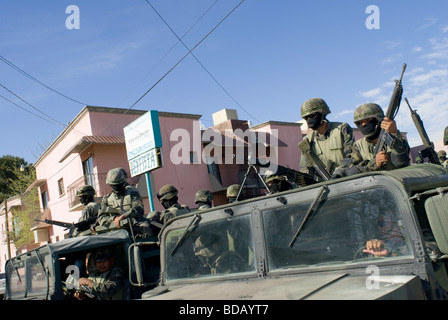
pixel 203 198
pixel 277 183
pixel 232 193
pixel 330 141
pixel 442 158
pixel 168 198
pixel 370 119
pixel 86 196
pixel 124 202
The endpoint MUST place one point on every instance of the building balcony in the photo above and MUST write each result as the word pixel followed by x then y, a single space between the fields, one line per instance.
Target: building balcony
pixel 97 181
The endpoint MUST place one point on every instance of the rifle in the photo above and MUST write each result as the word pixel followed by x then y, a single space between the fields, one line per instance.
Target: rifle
pixel 384 138
pixel 305 146
pixel 428 151
pixel 301 178
pixel 67 225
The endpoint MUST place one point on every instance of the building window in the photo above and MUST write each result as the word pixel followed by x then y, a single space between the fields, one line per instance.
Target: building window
pixel 44 197
pixel 87 168
pixel 61 187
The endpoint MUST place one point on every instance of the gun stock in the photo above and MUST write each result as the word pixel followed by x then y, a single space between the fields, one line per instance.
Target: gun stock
pixel 305 146
pixel 428 151
pixel 391 111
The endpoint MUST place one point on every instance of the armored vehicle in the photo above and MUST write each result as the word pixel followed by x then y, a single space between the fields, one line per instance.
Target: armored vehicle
pixel 311 242
pixel 52 270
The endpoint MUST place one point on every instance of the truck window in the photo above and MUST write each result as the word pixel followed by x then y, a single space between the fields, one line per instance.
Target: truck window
pixel 37 275
pixel 215 248
pixel 15 273
pixel 336 232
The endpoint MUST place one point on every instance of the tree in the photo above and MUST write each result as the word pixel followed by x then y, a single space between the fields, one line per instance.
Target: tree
pixel 15 177
pixel 9 171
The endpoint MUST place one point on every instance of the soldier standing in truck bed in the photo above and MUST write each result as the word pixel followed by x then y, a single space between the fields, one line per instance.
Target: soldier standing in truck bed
pixel 168 198
pixel 330 141
pixel 125 202
pixel 86 195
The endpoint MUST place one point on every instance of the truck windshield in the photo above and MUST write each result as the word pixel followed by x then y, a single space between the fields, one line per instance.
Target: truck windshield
pixel 221 247
pixel 337 230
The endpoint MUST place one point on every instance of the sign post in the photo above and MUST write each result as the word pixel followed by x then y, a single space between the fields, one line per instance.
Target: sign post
pixel 143 143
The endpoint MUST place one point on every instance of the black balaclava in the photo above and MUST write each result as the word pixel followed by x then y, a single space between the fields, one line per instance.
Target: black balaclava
pixel 371 130
pixel 168 203
pixel 316 122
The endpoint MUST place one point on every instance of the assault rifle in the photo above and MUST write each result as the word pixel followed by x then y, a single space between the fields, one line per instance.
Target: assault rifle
pixel 84 225
pixel 384 138
pixel 428 151
pixel 305 146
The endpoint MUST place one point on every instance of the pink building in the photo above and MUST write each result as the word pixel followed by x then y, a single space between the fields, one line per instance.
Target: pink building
pixel 93 143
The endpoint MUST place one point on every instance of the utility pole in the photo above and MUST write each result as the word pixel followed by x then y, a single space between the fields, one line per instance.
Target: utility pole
pixel 8 241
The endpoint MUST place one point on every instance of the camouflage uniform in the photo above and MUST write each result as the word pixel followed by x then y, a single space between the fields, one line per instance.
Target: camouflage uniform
pixel 333 145
pixel 442 158
pixel 127 201
pixel 168 194
pixel 204 198
pixel 362 155
pixel 90 211
pixel 108 285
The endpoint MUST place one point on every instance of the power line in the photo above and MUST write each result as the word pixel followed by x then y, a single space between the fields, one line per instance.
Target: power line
pixel 26 74
pixel 187 54
pixel 169 71
pixel 200 63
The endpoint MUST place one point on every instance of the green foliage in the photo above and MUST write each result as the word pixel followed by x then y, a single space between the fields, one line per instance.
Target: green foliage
pixel 15 177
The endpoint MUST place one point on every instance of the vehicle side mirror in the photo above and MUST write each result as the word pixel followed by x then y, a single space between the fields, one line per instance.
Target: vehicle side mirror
pixel 144 263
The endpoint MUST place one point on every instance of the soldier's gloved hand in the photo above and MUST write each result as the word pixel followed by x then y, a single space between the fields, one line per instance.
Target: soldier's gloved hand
pixel 154 216
pixel 118 219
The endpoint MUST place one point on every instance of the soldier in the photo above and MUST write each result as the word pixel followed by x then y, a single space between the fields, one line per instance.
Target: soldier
pixel 277 183
pixel 232 193
pixel 106 282
pixel 203 199
pixel 370 119
pixel 168 198
pixel 125 202
pixel 442 158
pixel 89 215
pixel 212 251
pixel 330 141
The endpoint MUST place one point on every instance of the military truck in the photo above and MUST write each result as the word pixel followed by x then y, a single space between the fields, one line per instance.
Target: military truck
pixel 51 271
pixel 310 242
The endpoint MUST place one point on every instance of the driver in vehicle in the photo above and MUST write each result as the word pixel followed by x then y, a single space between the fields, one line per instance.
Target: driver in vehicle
pixel 212 251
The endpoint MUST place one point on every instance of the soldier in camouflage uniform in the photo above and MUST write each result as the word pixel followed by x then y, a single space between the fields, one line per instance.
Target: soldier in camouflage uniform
pixel 89 215
pixel 106 282
pixel 369 118
pixel 232 193
pixel 124 202
pixel 168 198
pixel 277 183
pixel 330 141
pixel 442 158
pixel 203 199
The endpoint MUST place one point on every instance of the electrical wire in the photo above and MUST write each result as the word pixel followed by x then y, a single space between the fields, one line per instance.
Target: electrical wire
pixel 200 63
pixel 26 74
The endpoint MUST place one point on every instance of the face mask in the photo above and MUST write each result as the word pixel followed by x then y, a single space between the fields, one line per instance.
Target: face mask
pixel 314 123
pixel 369 129
pixel 117 188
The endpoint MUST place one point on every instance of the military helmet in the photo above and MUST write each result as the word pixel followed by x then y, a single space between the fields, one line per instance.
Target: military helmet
pixel 271 177
pixel 115 176
pixel 86 191
pixel 232 190
pixel 314 105
pixel 441 154
pixel 203 196
pixel 167 192
pixel 368 110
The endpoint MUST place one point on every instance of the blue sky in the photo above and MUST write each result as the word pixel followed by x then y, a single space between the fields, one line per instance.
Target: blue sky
pixel 264 60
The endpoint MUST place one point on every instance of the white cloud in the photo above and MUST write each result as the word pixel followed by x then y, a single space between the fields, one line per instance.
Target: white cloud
pixel 417 49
